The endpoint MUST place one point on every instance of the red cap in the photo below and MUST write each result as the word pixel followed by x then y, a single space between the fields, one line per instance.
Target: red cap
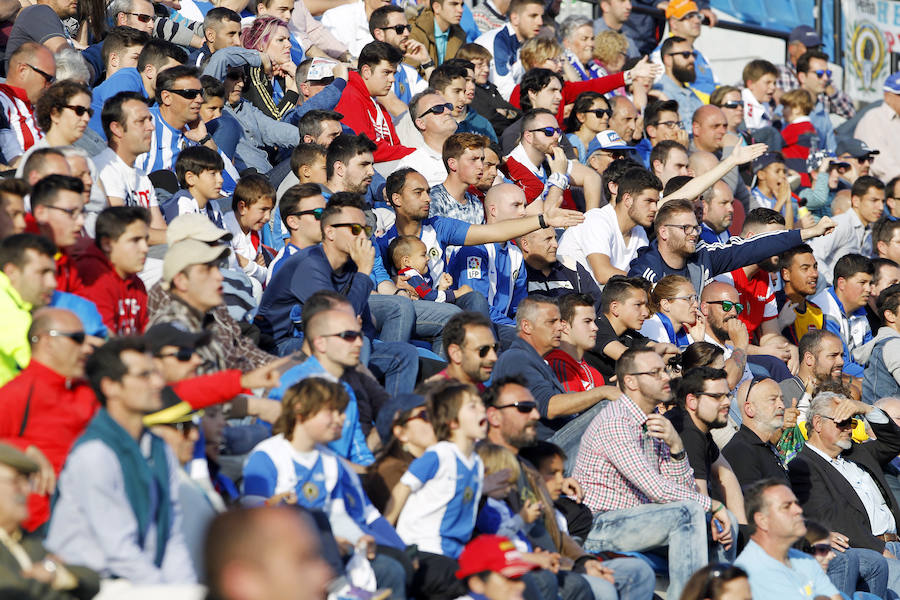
pixel 492 553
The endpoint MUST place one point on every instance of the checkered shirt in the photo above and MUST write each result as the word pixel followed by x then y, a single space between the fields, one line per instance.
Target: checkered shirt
pixel 838 104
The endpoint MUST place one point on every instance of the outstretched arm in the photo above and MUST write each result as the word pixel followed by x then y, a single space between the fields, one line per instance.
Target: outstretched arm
pixel 701 183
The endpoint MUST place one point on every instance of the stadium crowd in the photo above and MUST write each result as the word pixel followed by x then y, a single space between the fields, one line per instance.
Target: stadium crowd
pixel 360 300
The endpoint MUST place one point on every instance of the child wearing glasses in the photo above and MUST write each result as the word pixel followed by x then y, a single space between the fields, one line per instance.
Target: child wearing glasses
pixel 251 207
pixel 410 258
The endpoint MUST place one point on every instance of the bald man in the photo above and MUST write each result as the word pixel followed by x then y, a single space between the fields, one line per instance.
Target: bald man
pixel 726 330
pixel 751 452
pixel 31 70
pixel 709 127
pixel 624 119
pixel 701 161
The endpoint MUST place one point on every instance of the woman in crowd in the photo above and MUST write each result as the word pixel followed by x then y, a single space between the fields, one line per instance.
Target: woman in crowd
pixel 577 34
pixel 728 98
pixel 590 115
pixel 273 91
pixel 677 318
pixel 62 112
pixel 718 582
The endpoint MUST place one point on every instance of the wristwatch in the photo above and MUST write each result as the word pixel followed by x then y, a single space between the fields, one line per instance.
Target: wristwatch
pixel 427 65
pixel 678 455
pixel 205 139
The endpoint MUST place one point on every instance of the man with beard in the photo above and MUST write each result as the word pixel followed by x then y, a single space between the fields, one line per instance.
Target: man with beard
pixel 678 59
pixel 702 401
pixel 718 213
pixel 821 361
pixel 389 24
pixel 349 164
pixel 471 349
pixel 751 452
pixel 637 482
pixel 512 423
pixel 720 305
pixel 610 237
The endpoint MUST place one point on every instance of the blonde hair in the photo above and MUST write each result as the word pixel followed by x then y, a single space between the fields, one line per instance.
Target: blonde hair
pixel 666 289
pixel 496 458
pixel 539 49
pixel 608 45
pixel 800 101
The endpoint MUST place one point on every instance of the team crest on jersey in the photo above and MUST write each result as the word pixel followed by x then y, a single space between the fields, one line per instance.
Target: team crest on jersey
pixel 310 491
pixel 473 267
pixel 433 253
pixel 515 275
pixel 468 494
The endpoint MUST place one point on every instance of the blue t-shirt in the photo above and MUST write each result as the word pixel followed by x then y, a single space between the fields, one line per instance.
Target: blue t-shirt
pixel 770 578
pixel 437 233
pixel 123 80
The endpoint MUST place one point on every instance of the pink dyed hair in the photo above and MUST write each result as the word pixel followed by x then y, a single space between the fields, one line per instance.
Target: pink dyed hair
pixel 261 32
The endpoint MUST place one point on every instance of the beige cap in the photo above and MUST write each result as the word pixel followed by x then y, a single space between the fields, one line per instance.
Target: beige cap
pixel 194 226
pixel 185 253
pixel 17 459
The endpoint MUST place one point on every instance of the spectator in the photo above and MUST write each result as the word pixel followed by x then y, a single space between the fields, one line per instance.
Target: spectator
pixel 491 567
pixel 455 81
pixel 725 330
pixel 752 453
pixel 221 29
pixel 471 349
pixel 437 28
pixel 319 127
pixel 717 582
pixel 577 37
pixel 270 36
pixel 610 237
pixel 614 14
pixel 432 116
pixel 718 214
pixel 579 334
pixel 685 21
pixel 348 164
pixel 884 234
pixel 505 41
pixel 886 273
pixel 843 306
pixel 30 71
pixel 804 38
pixel 301 208
pixel 878 356
pixel 40 24
pixel 463 157
pixel 149 536
pixel 661 122
pixel 650 492
pixel 199 173
pixel 590 115
pixel 62 112
pixel 821 364
pixel 610 53
pixel 678 57
pixel 814 75
pixel 251 207
pixel 408 258
pixel 28 279
pixel 12 198
pixel 776 522
pixel 799 276
pixel 877 127
pixel 122 46
pixel 109 268
pixel 487 101
pixel 676 312
pixel 772 190
pixel 389 24
pixel 729 99
pixel 349 24
pixel 552 275
pixel 624 118
pixel 667 160
pixel 759 89
pixel 308 161
pixel 58 209
pixel 858 155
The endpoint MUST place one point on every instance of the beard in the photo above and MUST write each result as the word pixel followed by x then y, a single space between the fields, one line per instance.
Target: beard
pixel 720 331
pixel 686 74
pixel 844 444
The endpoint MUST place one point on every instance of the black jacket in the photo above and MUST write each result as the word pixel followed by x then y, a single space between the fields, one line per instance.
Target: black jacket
pixel 830 499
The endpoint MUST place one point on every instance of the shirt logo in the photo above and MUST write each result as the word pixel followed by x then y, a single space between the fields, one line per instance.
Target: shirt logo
pixel 310 491
pixel 433 253
pixel 473 267
pixel 468 494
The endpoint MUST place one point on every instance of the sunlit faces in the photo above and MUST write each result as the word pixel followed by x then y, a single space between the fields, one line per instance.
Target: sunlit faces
pixel 854 290
pixel 711 405
pixel 812 80
pixel 549 97
pixel 325 426
pixel 207 184
pixel 491 164
pixel 767 404
pixel 802 276
pixel 279 47
pixel 582 331
pixel 201 286
pixel 537 136
pixel 469 166
pixel 675 165
pixel 358 173
pixel 15 208
pixel 413 201
pixel 36 280
pixel 734 116
pixel 581 43
pixel 211 108
pixel 667 127
pixel 642 206
pixel 255 216
pixel 471 421
pixel 681 233
pixel 552 471
pixel 482 70
pixel 718 210
pixel 449 11
pixel 710 128
pixel 624 118
pixel 140 387
pixel 478 353
pixel 455 94
pixel 224 34
pixel 140 17
pixel 280 9
pixel 528 20
pixel 183 109
pixel 869 206
pixel 682 306
pixel 65 217
pixel 128 253
pixel 828 362
pixel 378 79
pixel 633 310
pixel 67 120
pixel 763 88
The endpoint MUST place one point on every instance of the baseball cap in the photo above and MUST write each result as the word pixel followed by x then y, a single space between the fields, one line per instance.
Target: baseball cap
pixel 680 8
pixel 15 458
pixel 854 147
pixel 892 83
pixel 492 553
pixel 806 35
pixel 607 140
pixel 395 407
pixel 173 411
pixel 194 226
pixel 174 334
pixel 320 69
pixel 765 160
pixel 185 253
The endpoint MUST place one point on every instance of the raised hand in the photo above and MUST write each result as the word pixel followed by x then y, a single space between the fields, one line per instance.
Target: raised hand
pixel 744 154
pixel 555 216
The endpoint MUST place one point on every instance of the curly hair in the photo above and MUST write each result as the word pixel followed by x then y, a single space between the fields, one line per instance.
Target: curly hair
pixel 261 32
pixel 608 45
pixel 303 400
pixel 539 49
pixel 56 98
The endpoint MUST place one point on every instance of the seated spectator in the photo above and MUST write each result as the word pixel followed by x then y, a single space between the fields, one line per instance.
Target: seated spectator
pixel 577 36
pixel 676 317
pixel 221 29
pixel 27 278
pixel 123 43
pixel 495 517
pixel 590 115
pixel 772 190
pixel 661 122
pixel 572 517
pixel 578 335
pixel 684 20
pixel 799 276
pixel 490 567
pixel 199 173
pixel 729 99
pixel 880 376
pixel 505 41
pixel 437 28
pixel 41 24
pixel 30 70
pixel 814 76
pixel 408 255
pixel 725 329
pixel 552 275
pixel 650 494
pixel 301 209
pixel 886 273
pixel 843 306
pixel 463 157
pixel 274 94
pixel 251 207
pixel 876 128
pixel 667 160
pixel 821 364
pixel 58 209
pixel 107 459
pixel 62 112
pixel 432 117
pixel 467 119
pixel 718 214
pixel 349 164
pixel 471 349
pixel 487 101
pixel 678 57
pixel 109 266
pixel 308 165
pixel 773 566
pixel 389 24
pixel 349 24
pixel 798 131
pixel 803 38
pixel 606 148
pixel 759 88
pixel 12 199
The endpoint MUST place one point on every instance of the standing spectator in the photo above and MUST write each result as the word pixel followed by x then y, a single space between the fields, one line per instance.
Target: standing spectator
pixel 30 72
pixel 463 157
pixel 802 39
pixel 42 24
pixel 437 28
pixel 504 43
pixel 685 21
pixel 614 14
pixel 879 128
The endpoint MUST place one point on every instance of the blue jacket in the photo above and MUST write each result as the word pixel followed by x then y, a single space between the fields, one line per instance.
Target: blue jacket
pixel 123 80
pixel 475 123
pixel 878 379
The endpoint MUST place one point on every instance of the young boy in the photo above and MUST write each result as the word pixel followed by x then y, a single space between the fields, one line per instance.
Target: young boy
pixel 251 207
pixel 436 501
pixel 799 131
pixel 487 100
pixel 759 87
pixel 491 569
pixel 300 211
pixel 213 98
pixel 409 256
pixel 199 173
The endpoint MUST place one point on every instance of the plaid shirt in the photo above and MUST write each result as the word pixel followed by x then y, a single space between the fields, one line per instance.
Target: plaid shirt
pixel 620 466
pixel 838 104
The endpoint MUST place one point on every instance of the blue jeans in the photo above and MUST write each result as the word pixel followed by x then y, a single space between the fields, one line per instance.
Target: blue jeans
pixel 400 318
pixel 635 580
pixel 848 567
pixel 893 566
pixel 390 574
pixel 569 436
pixel 397 363
pixel 680 526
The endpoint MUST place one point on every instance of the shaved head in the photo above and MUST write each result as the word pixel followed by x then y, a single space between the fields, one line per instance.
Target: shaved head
pixel 719 291
pixel 504 201
pixel 328 322
pixel 46 319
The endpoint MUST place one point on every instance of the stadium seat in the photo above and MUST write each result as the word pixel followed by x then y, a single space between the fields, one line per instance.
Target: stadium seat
pixel 781 15
pixel 751 11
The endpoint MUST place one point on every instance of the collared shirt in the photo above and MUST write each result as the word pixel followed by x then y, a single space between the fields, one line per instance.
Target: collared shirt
pixel 756 114
pixel 440 41
pixel 688 101
pixel 619 465
pixel 428 162
pixel 445 205
pixel 822 122
pixel 753 459
pixel 879 513
pixel 880 128
pixel 770 578
pixel 838 103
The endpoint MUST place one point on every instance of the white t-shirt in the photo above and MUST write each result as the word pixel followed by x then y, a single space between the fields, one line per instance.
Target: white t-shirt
pixel 124 181
pixel 599 234
pixel 428 162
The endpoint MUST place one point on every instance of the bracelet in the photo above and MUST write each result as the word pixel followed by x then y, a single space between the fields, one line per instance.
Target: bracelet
pixel 560 180
pixel 541 221
pixel 426 65
pixel 205 139
pixel 713 509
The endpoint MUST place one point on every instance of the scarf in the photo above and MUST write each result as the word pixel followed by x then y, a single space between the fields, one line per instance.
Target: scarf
pixel 680 337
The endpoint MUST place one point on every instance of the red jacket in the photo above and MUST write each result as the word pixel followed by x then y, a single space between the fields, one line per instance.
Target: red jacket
pixel 207 390
pixel 573 375
pixel 517 168
pixel 361 115
pixel 122 302
pixel 571 90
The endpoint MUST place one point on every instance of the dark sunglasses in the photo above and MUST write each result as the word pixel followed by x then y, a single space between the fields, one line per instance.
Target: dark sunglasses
pixel 81 110
pixel 727 305
pixel 437 109
pixel 683 54
pixel 185 428
pixel 850 423
pixel 76 336
pixel 187 94
pixel 355 228
pixel 421 414
pixel 483 350
pixel 141 17
pixel 600 112
pixel 347 336
pixel 523 407
pixel 316 212
pixel 548 131
pixel 820 549
pixel 733 104
pixel 47 76
pixel 398 29
pixel 823 73
pixel 182 354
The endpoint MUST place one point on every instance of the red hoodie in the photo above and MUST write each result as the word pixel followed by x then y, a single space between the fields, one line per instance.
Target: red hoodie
pixel 364 114
pixel 122 302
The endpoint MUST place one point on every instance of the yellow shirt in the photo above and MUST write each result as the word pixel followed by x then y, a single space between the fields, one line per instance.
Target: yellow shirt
pixel 15 319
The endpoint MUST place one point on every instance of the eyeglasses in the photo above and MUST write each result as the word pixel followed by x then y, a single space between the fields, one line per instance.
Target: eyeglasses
pixel 733 104
pixel 820 549
pixel 72 212
pixel 655 373
pixel 523 407
pixel 727 305
pixel 76 336
pixel 483 350
pixel 190 94
pixel 687 229
pixel 691 299
pixel 717 397
pixel 141 17
pixel 823 73
pixel 850 423
pixel 47 76
pixel 316 212
pixel 347 336
pixel 355 228
pixel 600 112
pixel 669 124
pixel 682 54
pixel 548 131
pixel 437 109
pixel 182 354
pixel 691 15
pixel 81 110
pixel 398 29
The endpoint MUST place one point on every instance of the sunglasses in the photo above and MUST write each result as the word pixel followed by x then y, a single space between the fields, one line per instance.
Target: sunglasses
pixel 733 104
pixel 76 336
pixel 398 29
pixel 316 212
pixel 523 407
pixel 185 428
pixel 548 131
pixel 483 350
pixel 600 112
pixel 820 549
pixel 727 305
pixel 421 414
pixel 141 17
pixel 437 109
pixel 823 73
pixel 182 354
pixel 347 336
pixel 355 228
pixel 187 94
pixel 850 423
pixel 682 54
pixel 47 76
pixel 81 110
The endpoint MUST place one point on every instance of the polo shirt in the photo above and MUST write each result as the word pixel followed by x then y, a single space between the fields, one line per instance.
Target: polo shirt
pixel 770 578
pixel 753 459
pixel 606 334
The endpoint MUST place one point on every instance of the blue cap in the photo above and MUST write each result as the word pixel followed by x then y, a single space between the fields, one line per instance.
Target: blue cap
pixel 607 140
pixel 765 160
pixel 806 35
pixel 892 83
pixel 393 408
